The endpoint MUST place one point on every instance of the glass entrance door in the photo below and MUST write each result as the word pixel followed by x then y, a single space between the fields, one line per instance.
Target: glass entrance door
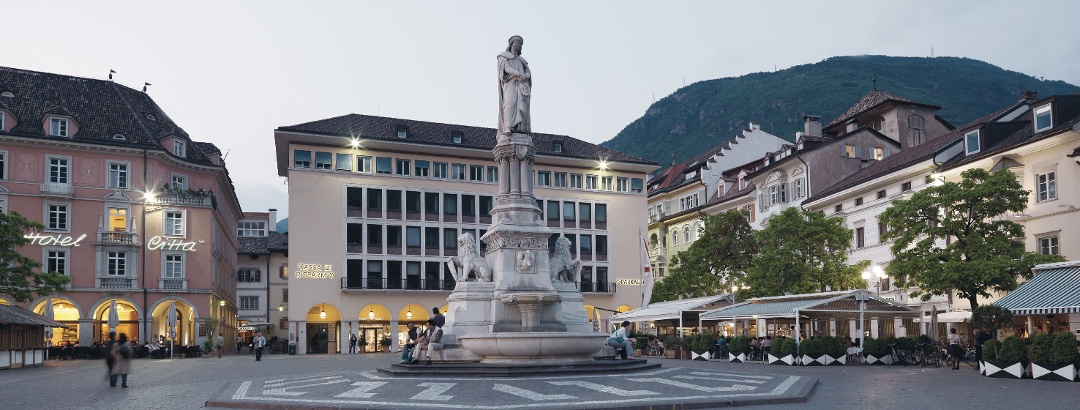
pixel 371 336
pixel 318 338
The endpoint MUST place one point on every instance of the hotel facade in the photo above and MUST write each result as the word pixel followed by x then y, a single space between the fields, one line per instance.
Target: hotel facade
pixel 135 212
pixel 376 205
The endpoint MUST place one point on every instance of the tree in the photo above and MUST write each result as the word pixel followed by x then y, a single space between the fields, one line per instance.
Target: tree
pixel 713 263
pixel 803 252
pixel 954 237
pixel 991 318
pixel 17 276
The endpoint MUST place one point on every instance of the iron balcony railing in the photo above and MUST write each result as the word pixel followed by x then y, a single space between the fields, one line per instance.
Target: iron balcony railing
pixel 361 283
pixel 598 287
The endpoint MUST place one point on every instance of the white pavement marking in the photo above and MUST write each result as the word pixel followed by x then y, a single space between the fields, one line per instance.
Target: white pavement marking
pixel 606 389
pixel 736 387
pixel 361 392
pixel 786 384
pixel 748 376
pixel 298 381
pixel 529 394
pixel 719 379
pixel 242 391
pixel 281 391
pixel 434 391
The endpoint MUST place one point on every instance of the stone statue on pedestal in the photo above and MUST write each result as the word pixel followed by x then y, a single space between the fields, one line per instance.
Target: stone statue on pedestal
pixel 515 90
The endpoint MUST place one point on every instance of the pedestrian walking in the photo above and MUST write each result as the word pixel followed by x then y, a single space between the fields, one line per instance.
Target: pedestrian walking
pixel 219 344
pixel 122 352
pixel 352 342
pixel 239 342
pixel 109 360
pixel 259 342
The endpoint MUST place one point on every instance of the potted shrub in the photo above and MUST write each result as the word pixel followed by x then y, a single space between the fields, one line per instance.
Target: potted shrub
pixel 783 352
pixel 701 345
pixel 739 349
pixel 360 343
pixel 810 351
pixel 386 342
pixel 1055 357
pixel 990 349
pixel 835 352
pixel 673 346
pixel 1011 360
pixel 642 344
pixel 876 352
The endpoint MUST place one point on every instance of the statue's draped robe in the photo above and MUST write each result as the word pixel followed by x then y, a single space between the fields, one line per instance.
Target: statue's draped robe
pixel 514 94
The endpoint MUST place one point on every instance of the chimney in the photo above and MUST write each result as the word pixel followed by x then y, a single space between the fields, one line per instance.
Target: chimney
pixel 1028 96
pixel 852 125
pixel 811 126
pixel 273 221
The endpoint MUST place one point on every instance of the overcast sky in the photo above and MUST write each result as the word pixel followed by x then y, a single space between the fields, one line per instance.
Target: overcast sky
pixel 230 72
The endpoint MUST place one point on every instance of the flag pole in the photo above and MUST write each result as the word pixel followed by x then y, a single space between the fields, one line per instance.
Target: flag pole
pixel 641 269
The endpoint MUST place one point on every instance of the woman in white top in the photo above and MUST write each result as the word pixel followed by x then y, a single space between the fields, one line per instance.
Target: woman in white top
pixel 955 352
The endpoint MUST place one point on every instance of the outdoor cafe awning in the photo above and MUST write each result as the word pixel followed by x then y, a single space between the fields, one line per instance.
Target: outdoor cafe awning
pixel 671 310
pixel 16 315
pixel 1054 289
pixel 824 305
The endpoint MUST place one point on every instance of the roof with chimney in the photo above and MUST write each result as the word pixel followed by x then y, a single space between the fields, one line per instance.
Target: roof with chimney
pixel 441 134
pixel 1066 119
pixel 264 245
pixel 870 101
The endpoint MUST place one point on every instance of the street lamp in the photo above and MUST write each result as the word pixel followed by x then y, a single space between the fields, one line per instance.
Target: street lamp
pixel 874 274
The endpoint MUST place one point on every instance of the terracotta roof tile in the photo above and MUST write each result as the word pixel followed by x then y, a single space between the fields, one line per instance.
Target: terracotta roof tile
pixel 869 101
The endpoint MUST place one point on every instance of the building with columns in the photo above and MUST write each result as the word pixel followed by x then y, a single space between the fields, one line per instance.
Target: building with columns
pixel 135 211
pixel 377 204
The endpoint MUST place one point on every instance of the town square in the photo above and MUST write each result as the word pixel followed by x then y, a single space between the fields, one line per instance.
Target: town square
pixel 329 205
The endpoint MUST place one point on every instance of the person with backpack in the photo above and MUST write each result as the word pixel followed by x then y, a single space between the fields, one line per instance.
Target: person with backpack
pixel 122 352
pixel 109 360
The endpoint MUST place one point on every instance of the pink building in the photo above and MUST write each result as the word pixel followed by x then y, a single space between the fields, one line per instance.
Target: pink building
pixel 134 210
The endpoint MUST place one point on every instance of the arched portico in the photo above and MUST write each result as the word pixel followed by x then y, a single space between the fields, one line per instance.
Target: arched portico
pixel 65 311
pixel 126 311
pixel 321 331
pixel 186 317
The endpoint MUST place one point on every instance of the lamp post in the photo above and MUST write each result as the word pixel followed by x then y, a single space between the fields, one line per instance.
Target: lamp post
pixel 874 274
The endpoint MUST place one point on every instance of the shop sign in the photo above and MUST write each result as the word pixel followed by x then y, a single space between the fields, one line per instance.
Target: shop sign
pixel 314 271
pixel 54 240
pixel 170 244
pixel 635 282
pixel 245 328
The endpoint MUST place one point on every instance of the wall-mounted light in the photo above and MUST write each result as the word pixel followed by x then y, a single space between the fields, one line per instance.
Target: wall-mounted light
pixel 371 314
pixel 281 308
pixel 221 302
pixel 408 315
pixel 322 313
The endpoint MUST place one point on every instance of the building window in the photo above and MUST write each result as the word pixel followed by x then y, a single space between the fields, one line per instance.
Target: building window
pixel 301 159
pixel 971 143
pixel 882 229
pixel 456 136
pixel 174 223
pixel 860 238
pixel 251 229
pixel 2 118
pixel 590 181
pixel 117 264
pixel 363 164
pixel 421 168
pixel 1048 245
pixel 248 275
pixel 556 147
pixel 1045 186
pixel 838 208
pixel 749 208
pixel 249 303
pixel 622 184
pixel 879 153
pixel 58 127
pixel 493 174
pixel 3 165
pixel 402 132
pixel 881 194
pixel 57 218
pixel 440 170
pixel 174 266
pixel 877 124
pixel 606 183
pixel 575 181
pixel 179 181
pixel 476 173
pixel 797 186
pixel 560 180
pixel 1043 121
pixel 675 238
pixel 915 132
pixel 323 160
pixel 179 148
pixel 343 162
pixel 56 261
pixel 782 189
pixel 543 178
pixel 457 171
pixel 636 185
pixel 58 170
pixel 853 151
pixel 118 175
pixel 383 165
pixel 904 187
pixel 404 167
pixel 858 201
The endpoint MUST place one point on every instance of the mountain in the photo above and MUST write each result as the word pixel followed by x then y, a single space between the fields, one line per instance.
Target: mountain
pixel 708 113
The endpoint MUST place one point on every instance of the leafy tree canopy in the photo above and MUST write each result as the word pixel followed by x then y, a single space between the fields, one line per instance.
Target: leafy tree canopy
pixel 17 276
pixel 954 237
pixel 713 263
pixel 803 252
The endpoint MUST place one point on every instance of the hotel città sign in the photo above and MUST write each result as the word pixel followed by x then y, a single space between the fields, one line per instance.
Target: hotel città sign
pixel 157 243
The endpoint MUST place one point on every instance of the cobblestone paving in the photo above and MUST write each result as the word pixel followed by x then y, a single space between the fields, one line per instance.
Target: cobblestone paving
pixel 190 383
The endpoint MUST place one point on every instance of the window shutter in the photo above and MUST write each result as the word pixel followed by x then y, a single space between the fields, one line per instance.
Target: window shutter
pixel 858 151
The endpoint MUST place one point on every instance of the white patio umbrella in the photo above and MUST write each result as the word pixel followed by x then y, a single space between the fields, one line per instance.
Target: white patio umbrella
pixel 48 313
pixel 933 325
pixel 114 317
pixel 171 323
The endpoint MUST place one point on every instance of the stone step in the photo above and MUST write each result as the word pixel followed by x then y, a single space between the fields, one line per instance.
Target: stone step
pixel 518 370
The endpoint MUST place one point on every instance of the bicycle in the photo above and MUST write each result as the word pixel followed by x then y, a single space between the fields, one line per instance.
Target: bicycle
pixel 968 358
pixel 901 356
pixel 657 350
pixel 927 354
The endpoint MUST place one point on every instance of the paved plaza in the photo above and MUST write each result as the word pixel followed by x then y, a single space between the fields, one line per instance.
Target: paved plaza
pixel 350 381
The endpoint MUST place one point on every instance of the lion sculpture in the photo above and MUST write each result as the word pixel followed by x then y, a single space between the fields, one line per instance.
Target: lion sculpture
pixel 469 260
pixel 563 269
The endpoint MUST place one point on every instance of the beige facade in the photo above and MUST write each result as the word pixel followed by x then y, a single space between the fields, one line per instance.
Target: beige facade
pixel 373 221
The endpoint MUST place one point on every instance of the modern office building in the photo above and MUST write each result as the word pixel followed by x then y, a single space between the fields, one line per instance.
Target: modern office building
pixel 376 206
pixel 135 211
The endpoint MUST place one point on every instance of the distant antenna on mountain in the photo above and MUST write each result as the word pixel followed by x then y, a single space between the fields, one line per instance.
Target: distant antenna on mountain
pixel 111 72
pixel 875 82
pixel 931 51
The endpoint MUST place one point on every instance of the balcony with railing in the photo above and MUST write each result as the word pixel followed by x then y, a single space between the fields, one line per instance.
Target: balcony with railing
pixel 598 287
pixel 117 238
pixel 407 283
pixel 116 283
pixel 56 189
pixel 657 251
pixel 182 199
pixel 172 284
